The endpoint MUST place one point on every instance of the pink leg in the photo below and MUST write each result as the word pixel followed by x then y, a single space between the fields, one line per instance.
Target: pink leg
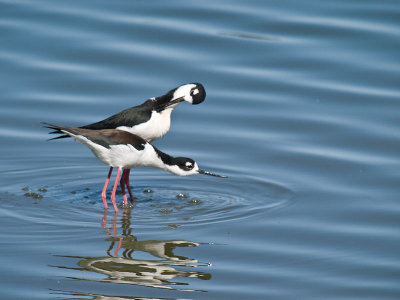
pixel 114 224
pixel 115 189
pixel 104 222
pixel 128 186
pixel 103 193
pixel 123 183
pixel 118 247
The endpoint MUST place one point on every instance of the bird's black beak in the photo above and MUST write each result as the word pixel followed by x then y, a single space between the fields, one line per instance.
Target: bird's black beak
pixel 175 101
pixel 211 174
pixel 163 106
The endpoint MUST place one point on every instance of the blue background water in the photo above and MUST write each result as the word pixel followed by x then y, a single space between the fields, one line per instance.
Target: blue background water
pixel 302 113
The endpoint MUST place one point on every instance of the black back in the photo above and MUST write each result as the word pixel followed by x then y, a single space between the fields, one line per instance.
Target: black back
pixel 108 137
pixel 134 115
pixel 103 137
pixel 128 117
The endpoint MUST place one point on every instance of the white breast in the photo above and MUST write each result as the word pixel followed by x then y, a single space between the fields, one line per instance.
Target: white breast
pixel 127 156
pixel 157 126
pixel 124 156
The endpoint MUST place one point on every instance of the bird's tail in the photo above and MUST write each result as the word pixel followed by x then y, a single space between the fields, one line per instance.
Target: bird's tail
pixel 57 129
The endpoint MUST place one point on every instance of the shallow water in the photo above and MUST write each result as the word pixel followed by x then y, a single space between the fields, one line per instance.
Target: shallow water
pixel 302 114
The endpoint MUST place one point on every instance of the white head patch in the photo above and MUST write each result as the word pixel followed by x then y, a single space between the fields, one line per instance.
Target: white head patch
pixel 184 91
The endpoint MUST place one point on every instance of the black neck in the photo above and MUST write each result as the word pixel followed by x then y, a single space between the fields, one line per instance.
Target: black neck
pixel 167 159
pixel 161 102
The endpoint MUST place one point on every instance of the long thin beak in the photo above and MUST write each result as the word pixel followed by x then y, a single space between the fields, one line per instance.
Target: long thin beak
pixel 211 174
pixel 174 101
pixel 170 103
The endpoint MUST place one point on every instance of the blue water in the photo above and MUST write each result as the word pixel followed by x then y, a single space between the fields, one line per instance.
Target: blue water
pixel 302 113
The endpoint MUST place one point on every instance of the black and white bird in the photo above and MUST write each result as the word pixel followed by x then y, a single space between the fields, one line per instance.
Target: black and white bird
pixel 150 120
pixel 123 150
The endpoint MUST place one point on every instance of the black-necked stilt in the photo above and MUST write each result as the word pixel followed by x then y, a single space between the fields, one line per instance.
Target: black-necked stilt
pixel 123 150
pixel 150 120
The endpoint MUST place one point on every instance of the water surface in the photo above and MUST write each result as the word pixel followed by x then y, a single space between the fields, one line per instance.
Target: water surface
pixel 302 114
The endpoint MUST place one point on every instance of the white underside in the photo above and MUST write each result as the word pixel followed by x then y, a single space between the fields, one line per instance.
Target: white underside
pixel 123 156
pixel 128 157
pixel 156 127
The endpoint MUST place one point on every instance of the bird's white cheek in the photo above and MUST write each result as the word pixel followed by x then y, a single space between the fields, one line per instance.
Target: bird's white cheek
pixel 189 99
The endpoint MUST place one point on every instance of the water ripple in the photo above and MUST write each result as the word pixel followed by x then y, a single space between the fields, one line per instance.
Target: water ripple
pixel 304 96
pixel 165 201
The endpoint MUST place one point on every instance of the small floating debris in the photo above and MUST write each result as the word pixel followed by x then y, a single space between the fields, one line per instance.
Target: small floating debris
pixel 73 192
pixel 165 211
pixel 173 226
pixel 33 195
pixel 194 202
pixel 126 206
pixel 182 196
pixel 25 189
pixel 148 191
pixel 42 190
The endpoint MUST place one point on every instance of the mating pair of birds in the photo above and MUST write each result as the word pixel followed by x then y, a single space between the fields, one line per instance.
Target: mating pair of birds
pixel 123 140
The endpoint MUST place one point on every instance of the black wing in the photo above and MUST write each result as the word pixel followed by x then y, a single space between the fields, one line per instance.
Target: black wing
pixel 108 137
pixel 128 117
pixel 103 137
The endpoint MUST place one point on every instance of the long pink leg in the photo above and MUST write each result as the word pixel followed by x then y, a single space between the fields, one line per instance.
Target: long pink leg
pixel 103 193
pixel 114 224
pixel 122 183
pixel 128 186
pixel 115 189
pixel 118 247
pixel 104 221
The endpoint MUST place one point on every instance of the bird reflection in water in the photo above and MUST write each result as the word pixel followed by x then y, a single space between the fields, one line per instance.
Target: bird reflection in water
pixel 121 266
